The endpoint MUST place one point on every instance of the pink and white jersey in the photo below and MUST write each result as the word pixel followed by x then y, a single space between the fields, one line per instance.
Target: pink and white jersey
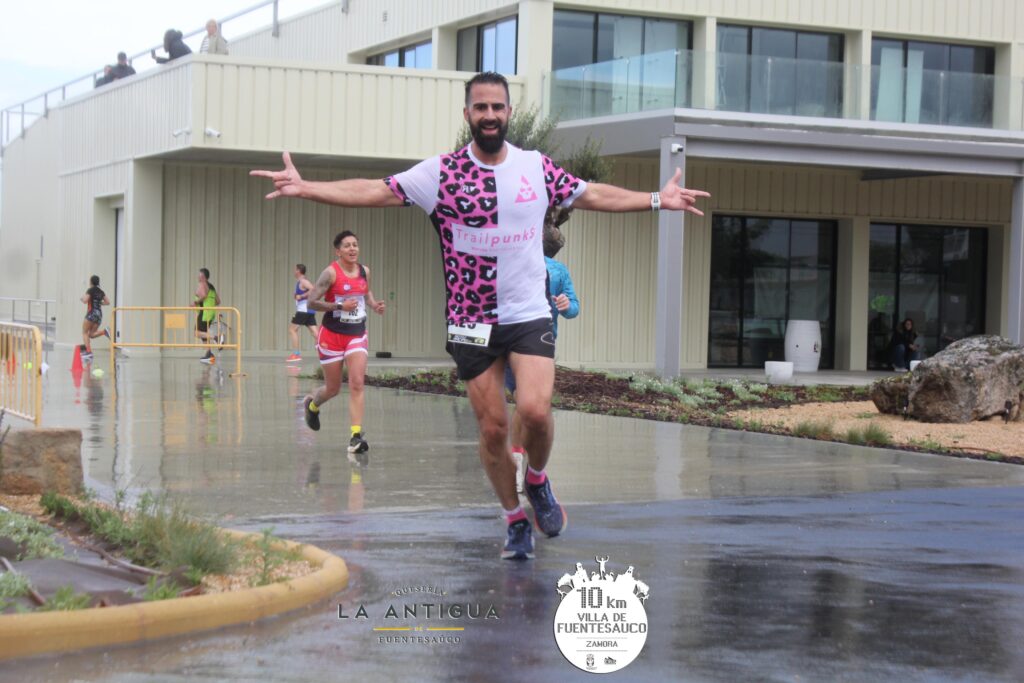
pixel 493 267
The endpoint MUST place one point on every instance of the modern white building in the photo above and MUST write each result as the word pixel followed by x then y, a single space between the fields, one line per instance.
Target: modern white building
pixel 865 157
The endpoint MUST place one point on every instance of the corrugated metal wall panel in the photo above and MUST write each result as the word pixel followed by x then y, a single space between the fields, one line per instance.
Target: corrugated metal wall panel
pixel 328 35
pixel 983 20
pixel 127 119
pixel 215 216
pixel 346 111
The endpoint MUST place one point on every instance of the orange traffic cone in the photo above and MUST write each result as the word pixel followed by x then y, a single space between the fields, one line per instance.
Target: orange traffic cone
pixel 76 362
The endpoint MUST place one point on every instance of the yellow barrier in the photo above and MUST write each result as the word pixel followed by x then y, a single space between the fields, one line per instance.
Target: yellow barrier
pixel 174 327
pixel 21 371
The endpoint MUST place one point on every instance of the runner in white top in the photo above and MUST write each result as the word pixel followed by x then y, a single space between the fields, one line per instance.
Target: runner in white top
pixel 488 207
pixel 302 317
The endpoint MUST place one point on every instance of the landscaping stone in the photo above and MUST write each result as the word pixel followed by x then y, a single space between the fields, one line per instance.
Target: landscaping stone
pixel 34 461
pixel 888 394
pixel 972 379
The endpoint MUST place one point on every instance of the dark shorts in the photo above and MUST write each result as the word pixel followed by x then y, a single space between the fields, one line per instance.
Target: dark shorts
pixel 94 317
pixel 304 319
pixel 202 325
pixel 532 338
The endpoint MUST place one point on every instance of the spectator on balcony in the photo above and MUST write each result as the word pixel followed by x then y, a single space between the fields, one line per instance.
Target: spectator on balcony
pixel 174 46
pixel 213 42
pixel 122 69
pixel 107 77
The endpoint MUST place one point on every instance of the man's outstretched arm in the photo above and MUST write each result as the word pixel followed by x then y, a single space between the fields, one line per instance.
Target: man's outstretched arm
pixel 354 192
pixel 602 197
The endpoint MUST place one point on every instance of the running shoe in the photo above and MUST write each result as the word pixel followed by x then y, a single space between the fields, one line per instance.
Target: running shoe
pixel 294 358
pixel 549 515
pixel 518 541
pixel 358 444
pixel 86 356
pixel 312 419
pixel 106 332
pixel 209 358
pixel 520 459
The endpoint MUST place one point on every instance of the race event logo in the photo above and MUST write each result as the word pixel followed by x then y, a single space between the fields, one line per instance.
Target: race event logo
pixel 601 621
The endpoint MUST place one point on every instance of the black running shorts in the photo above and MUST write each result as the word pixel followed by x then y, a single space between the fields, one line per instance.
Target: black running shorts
pixel 532 338
pixel 304 319
pixel 202 325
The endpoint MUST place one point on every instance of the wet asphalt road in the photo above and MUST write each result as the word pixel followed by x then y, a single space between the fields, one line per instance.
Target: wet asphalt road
pixel 767 558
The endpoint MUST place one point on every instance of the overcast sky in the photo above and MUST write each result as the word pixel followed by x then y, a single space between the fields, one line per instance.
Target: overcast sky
pixel 48 42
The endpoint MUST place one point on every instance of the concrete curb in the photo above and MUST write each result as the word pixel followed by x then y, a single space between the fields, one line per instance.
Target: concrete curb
pixel 23 635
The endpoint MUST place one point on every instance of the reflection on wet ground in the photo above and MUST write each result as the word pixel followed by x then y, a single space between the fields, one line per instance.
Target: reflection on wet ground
pixel 768 558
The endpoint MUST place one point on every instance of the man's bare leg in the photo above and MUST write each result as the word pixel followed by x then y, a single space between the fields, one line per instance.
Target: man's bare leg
pixel 486 394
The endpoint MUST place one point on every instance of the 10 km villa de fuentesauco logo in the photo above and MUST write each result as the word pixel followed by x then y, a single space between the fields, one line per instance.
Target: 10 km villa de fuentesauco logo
pixel 601 621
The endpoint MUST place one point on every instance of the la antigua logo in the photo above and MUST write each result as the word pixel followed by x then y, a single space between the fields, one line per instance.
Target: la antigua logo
pixel 601 621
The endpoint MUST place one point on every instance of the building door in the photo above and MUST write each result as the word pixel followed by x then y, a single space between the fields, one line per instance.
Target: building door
pixel 764 272
pixel 933 275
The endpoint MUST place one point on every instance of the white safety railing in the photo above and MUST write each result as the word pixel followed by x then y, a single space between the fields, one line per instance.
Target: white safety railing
pixel 38 312
pixel 16 119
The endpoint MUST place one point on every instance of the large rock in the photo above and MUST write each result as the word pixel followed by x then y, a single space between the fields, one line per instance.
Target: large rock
pixel 890 393
pixel 34 461
pixel 971 379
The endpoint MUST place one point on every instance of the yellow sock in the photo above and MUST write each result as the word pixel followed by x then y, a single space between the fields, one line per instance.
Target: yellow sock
pixel 356 429
pixel 313 407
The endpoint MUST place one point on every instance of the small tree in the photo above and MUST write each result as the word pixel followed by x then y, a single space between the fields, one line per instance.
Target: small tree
pixel 527 129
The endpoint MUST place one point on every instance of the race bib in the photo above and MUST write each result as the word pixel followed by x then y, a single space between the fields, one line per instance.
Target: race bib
pixel 473 334
pixel 356 315
pixel 302 306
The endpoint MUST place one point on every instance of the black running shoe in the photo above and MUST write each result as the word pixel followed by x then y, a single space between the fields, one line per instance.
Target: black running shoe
pixel 518 541
pixel 358 444
pixel 312 419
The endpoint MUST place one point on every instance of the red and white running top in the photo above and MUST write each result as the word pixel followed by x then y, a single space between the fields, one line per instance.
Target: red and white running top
pixel 351 323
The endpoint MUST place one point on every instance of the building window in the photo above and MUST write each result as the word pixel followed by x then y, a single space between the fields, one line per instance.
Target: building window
pixel 417 56
pixel 489 47
pixel 918 82
pixel 612 64
pixel 779 71
pixel 764 272
pixel 933 275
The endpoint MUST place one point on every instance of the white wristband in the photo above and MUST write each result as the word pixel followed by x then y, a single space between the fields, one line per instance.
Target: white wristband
pixel 655 201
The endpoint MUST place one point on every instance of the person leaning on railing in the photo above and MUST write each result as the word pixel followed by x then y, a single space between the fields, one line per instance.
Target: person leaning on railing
pixel 174 46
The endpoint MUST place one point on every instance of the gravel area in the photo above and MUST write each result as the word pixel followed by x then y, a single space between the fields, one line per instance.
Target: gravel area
pixel 992 436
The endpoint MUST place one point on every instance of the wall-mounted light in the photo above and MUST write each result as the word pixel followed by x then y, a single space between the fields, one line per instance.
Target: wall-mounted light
pixel 181 131
pixel 212 132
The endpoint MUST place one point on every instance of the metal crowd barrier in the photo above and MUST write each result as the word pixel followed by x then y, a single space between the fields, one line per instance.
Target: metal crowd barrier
pixel 174 327
pixel 21 371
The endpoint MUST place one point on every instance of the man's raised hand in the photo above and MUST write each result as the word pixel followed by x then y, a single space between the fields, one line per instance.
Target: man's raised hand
pixel 677 198
pixel 287 182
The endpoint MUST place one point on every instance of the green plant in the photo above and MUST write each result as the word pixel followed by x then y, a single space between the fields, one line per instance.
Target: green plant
pixel 876 435
pixel 59 506
pixel 784 395
pixel 823 394
pixel 813 429
pixel 268 556
pixel 12 585
pixel 159 590
pixel 866 416
pixel 36 538
pixel 66 599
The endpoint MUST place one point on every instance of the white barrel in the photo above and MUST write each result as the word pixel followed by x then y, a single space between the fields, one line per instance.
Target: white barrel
pixel 803 345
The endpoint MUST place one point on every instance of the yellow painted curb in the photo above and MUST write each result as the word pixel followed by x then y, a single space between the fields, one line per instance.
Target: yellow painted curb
pixel 22 635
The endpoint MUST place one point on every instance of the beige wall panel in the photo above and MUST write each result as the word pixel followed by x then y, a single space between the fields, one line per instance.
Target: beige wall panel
pixel 960 20
pixel 330 35
pixel 30 206
pixel 83 244
pixel 127 119
pixel 351 111
pixel 215 216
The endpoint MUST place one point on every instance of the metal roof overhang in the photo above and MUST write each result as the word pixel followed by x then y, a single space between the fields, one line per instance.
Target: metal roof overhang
pixel 837 143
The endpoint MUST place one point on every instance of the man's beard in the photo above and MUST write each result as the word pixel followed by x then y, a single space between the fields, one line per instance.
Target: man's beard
pixel 488 144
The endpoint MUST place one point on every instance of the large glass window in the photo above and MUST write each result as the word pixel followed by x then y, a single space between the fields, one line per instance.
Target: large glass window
pixel 919 82
pixel 779 71
pixel 417 56
pixel 489 47
pixel 764 272
pixel 932 275
pixel 613 64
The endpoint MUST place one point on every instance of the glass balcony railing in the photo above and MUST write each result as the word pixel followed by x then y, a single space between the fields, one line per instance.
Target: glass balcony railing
pixel 791 87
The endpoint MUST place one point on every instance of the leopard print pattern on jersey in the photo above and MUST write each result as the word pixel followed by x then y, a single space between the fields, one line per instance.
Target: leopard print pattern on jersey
pixel 467 195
